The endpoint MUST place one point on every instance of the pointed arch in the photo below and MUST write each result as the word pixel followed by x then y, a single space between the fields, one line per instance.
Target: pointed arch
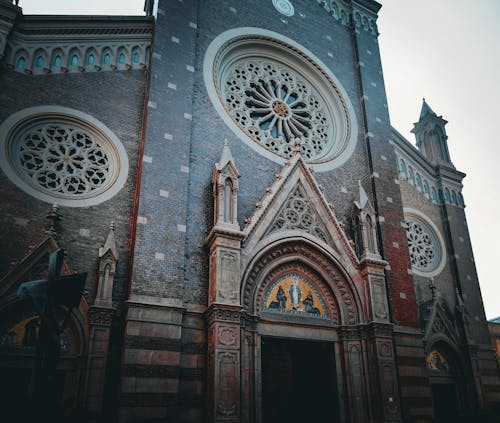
pixel 296 252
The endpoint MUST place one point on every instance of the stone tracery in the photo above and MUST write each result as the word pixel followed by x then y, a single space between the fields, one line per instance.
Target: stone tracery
pixel 275 105
pixel 63 159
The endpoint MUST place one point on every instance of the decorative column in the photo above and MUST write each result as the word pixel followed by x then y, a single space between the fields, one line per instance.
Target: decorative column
pixel 100 317
pixel 379 337
pixel 224 308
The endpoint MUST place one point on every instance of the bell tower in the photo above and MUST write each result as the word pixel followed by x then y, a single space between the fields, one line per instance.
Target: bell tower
pixel 432 140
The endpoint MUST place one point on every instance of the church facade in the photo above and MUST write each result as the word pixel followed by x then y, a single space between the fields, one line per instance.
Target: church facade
pixel 261 245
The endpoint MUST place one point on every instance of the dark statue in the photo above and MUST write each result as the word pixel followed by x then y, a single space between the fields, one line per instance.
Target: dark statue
pixel 50 296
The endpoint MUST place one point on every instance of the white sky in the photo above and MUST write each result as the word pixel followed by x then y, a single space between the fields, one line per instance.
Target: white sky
pixel 447 51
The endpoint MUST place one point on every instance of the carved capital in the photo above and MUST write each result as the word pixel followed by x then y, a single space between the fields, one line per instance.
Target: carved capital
pixel 102 316
pixel 222 313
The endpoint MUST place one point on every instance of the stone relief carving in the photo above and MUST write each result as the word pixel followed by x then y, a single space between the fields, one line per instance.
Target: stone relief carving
pixel 228 336
pixel 297 213
pixel 379 301
pixel 228 384
pixel 340 289
pixel 229 276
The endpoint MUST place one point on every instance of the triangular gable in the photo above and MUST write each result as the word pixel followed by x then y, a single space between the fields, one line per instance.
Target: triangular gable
pixel 297 213
pixel 439 323
pixel 296 181
pixel 34 266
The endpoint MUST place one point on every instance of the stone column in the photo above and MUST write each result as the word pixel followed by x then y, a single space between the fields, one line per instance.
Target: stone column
pixel 224 363
pixel 100 319
pixel 224 326
pixel 380 346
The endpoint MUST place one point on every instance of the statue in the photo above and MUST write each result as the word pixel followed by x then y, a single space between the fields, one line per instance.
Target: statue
pixel 47 296
pixel 295 293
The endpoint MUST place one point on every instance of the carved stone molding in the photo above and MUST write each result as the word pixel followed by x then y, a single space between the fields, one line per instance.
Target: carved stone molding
pixel 101 316
pixel 336 290
pixel 228 336
pixel 218 313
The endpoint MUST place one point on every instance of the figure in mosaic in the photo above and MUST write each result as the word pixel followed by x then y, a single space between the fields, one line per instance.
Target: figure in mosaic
pixel 295 293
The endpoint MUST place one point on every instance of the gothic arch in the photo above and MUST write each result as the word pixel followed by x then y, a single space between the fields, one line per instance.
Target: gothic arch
pixel 302 254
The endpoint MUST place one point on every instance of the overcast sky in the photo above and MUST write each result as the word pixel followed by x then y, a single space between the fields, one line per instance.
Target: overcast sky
pixel 447 51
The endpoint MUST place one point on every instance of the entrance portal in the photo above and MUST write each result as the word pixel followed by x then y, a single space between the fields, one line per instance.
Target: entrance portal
pixel 298 381
pixel 446 404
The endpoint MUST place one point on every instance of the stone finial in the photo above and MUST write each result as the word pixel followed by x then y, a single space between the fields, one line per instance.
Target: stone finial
pixel 226 156
pixel 296 149
pixel 433 288
pixel 110 244
pixel 53 217
pixel 363 197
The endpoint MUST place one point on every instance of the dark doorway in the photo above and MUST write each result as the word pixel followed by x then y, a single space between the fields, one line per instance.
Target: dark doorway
pixel 298 381
pixel 446 406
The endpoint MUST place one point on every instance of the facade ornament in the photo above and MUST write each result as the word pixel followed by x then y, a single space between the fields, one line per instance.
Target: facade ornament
pixel 108 258
pixel 53 217
pixel 225 190
pixel 364 219
pixel 433 288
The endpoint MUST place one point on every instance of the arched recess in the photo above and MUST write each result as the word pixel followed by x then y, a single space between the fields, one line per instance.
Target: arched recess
pixel 316 262
pixel 449 380
pixel 338 329
pixel 18 356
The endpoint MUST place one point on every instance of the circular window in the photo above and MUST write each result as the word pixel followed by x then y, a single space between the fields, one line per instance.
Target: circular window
pixel 274 94
pixel 62 156
pixel 284 7
pixel 424 244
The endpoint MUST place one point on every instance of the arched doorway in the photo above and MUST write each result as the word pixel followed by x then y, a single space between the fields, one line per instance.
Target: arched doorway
pixel 447 382
pixel 19 330
pixel 305 356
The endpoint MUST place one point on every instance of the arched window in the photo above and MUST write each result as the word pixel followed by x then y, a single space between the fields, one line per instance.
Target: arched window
pixel 335 12
pixel 228 199
pixel 39 62
pixel 370 242
pixel 121 59
pixel 440 195
pixel 461 199
pixel 74 60
pixel 21 62
pixel 107 59
pixel 343 17
pixel 411 175
pixel 433 194
pixel 447 195
pixel 402 167
pixel 418 181
pixel 454 197
pixel 135 57
pixel 57 61
pixel 426 188
pixel 90 59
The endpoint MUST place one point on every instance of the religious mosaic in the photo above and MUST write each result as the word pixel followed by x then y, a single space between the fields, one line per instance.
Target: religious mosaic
pixel 24 334
pixel 436 361
pixel 293 294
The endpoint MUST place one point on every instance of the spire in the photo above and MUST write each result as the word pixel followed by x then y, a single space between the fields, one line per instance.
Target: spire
pixel 426 110
pixel 363 197
pixel 226 156
pixel 110 244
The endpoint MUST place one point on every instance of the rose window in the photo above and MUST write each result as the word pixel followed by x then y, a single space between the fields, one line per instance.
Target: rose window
pixel 63 159
pixel 424 249
pixel 62 156
pixel 278 108
pixel 276 95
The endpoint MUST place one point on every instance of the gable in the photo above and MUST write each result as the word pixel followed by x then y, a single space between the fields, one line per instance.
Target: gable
pixel 296 206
